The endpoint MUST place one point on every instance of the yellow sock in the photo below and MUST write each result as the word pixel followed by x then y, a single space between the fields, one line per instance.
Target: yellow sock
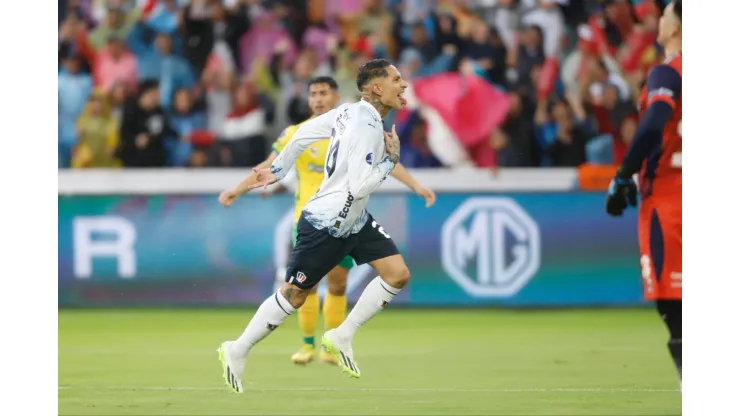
pixel 308 317
pixel 334 310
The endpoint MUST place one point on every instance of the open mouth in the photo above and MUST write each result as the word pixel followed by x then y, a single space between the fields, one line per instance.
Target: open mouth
pixel 403 100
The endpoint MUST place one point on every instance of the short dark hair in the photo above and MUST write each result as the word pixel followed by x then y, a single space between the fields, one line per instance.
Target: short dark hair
pixel 324 80
pixel 376 68
pixel 677 9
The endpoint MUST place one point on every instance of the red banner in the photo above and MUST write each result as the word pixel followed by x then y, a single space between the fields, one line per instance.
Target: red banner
pixel 470 106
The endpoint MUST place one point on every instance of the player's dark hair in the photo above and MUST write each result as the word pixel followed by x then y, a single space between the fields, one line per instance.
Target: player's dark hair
pixel 376 68
pixel 677 9
pixel 324 79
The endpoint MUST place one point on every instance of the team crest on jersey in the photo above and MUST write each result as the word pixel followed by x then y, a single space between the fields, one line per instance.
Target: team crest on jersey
pixel 341 127
pixel 369 158
pixel 300 277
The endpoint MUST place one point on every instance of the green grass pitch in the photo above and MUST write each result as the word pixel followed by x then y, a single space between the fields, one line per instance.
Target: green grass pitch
pixel 413 362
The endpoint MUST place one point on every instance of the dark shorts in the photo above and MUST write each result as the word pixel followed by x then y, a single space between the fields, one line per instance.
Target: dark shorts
pixel 316 252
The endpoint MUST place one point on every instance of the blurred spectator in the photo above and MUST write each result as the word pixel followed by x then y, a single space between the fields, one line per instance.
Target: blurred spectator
pixel 186 121
pixel 114 64
pixel 242 142
pixel 208 23
pixel 117 24
pixel 421 43
pixel 490 60
pixel 322 41
pixel 79 9
pixel 412 65
pixel 515 141
pixel 71 31
pixel 74 88
pixel 348 64
pixel 97 130
pixel 529 52
pixel 144 129
pixel 549 18
pixel 445 31
pixel 617 107
pixel 415 150
pixel 261 42
pixel 218 85
pixel 171 71
pixel 119 94
pixel 292 103
pixel 377 22
pixel 569 147
pixel 163 17
pixel 627 130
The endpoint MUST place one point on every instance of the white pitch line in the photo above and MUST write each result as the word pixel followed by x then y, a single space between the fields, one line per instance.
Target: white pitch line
pixel 387 390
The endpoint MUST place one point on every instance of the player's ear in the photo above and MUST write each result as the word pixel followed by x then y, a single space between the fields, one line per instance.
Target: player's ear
pixel 376 89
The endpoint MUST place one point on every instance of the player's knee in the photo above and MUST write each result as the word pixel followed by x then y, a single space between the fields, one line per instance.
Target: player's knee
pixel 295 295
pixel 337 288
pixel 398 278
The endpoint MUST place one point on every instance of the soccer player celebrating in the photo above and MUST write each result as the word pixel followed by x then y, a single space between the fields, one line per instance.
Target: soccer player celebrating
pixel 656 153
pixel 310 169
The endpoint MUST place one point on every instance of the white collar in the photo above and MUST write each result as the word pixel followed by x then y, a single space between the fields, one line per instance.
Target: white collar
pixel 372 107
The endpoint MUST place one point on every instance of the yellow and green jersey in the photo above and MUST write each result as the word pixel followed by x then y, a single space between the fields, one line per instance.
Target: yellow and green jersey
pixel 309 167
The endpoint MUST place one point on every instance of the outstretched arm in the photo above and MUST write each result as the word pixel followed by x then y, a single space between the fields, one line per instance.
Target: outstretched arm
pixel 400 173
pixel 251 179
pixel 311 131
pixel 229 196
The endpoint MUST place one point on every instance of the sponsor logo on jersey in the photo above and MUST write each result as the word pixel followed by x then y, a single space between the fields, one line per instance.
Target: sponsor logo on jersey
pixel 316 168
pixel 369 158
pixel 347 205
pixel 300 277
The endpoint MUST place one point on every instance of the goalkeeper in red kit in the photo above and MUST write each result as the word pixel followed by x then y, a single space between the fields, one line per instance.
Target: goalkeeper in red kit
pixel 655 153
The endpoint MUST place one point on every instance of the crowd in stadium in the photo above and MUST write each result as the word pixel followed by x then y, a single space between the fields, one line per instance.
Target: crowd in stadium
pixel 212 83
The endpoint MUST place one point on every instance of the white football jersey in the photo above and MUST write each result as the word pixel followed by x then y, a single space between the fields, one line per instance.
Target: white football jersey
pixel 356 164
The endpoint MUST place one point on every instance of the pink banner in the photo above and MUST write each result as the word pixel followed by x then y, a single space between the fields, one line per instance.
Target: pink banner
pixel 470 106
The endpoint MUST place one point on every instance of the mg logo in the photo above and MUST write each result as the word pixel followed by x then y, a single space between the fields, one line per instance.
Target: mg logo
pixel 490 247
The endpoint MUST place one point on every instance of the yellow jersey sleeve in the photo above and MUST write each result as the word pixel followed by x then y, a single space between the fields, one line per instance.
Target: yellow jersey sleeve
pixel 284 138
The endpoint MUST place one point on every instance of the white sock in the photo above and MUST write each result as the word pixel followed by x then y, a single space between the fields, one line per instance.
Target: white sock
pixel 269 316
pixel 375 297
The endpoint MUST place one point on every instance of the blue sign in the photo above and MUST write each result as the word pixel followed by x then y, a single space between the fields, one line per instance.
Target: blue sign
pixel 524 250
